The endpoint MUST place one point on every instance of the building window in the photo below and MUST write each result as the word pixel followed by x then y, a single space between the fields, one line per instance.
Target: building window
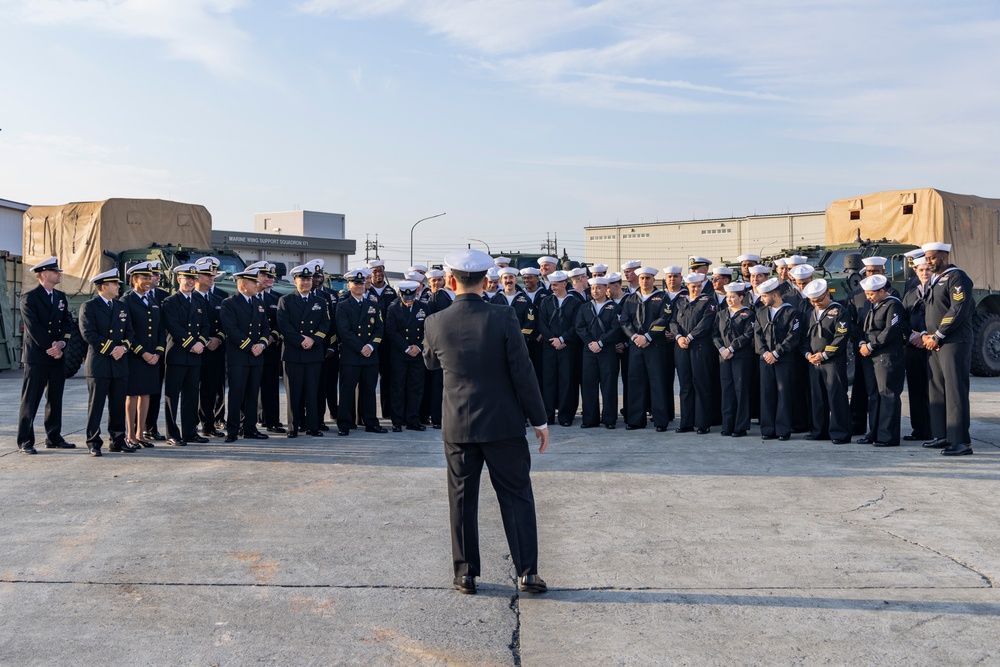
pixel 855 215
pixel 908 209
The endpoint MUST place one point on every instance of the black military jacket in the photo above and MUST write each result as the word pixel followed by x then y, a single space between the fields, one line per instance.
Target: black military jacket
pixel 331 299
pixel 886 328
pixel 105 328
pixel 779 335
pixel 45 322
pixel 439 300
pixel 695 318
pixel 735 331
pixel 187 322
pixel 913 302
pixel 147 324
pixel 404 326
pixel 214 303
pixel 599 327
pixel 650 318
pixel 359 323
pixel 525 312
pixel 858 306
pixel 829 334
pixel 299 317
pixel 949 306
pixel 245 325
pixel 385 299
pixel 555 321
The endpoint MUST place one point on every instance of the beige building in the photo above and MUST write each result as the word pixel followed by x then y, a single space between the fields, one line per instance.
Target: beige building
pixel 661 244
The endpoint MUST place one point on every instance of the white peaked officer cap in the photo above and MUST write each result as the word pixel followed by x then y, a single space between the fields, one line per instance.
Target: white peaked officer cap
pixel 599 268
pixel 919 261
pixel 468 260
pixel 694 261
pixel 614 277
pixel 407 288
pixel 437 273
pixel 414 275
pixel 246 275
pixel 530 271
pixel 768 285
pixel 749 257
pixel 419 268
pixel 722 271
pixel 355 276
pixel 51 264
pixel 110 276
pixel 645 271
pixel 189 270
pixel 673 268
pixel 872 283
pixel 815 289
pixel 573 273
pixel 258 266
pixel 207 260
pixel 760 268
pixel 506 271
pixel 936 245
pixel 302 271
pixel 874 261
pixel 735 287
pixel 632 264
pixel 502 260
pixel 693 278
pixel 795 260
pixel 374 263
pixel 557 277
pixel 802 271
pixel 913 254
pixel 598 280
pixel 493 273
pixel 547 258
pixel 319 263
pixel 140 269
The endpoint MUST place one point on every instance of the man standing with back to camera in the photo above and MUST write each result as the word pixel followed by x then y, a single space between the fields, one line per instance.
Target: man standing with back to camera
pixel 480 348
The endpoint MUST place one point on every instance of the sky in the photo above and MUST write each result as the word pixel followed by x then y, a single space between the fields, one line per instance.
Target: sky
pixel 518 119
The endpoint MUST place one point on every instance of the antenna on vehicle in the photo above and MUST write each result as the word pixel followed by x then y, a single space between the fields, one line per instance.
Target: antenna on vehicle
pixel 858 240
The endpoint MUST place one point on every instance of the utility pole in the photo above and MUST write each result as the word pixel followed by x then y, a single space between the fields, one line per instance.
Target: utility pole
pixel 372 246
pixel 551 245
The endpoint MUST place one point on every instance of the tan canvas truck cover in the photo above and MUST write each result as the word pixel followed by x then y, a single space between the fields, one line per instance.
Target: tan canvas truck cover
pixel 79 233
pixel 970 224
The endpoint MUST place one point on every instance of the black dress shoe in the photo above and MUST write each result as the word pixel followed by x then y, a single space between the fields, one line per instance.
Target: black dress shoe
pixel 145 443
pixel 121 447
pixel 531 583
pixel 841 442
pixel 231 438
pixel 684 429
pixel 729 433
pixel 957 449
pixel 256 435
pixel 437 426
pixel 197 438
pixel 416 427
pixel 936 443
pixel 630 427
pixel 378 429
pixel 864 441
pixel 610 427
pixel 343 431
pixel 739 434
pixel 177 442
pixel 397 428
pixel 153 435
pixel 885 444
pixel 565 423
pixel 28 450
pixel 810 436
pixel 768 437
pixel 291 434
pixel 324 427
pixel 913 437
pixel 213 433
pixel 275 429
pixel 588 425
pixel 94 451
pixel 703 431
pixel 661 429
pixel 60 445
pixel 316 434
pixel 466 585
pixel 784 438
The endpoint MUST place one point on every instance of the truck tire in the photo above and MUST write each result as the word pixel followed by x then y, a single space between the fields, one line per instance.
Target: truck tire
pixel 76 350
pixel 986 345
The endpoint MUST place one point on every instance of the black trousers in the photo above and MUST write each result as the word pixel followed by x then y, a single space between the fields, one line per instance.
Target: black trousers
pixel 917 389
pixel 301 386
pixel 949 392
pixel 212 389
pixel 48 379
pixel 830 410
pixel 800 388
pixel 561 382
pixel 600 375
pixel 646 383
pixel 110 391
pixel 754 383
pixel 153 415
pixel 328 389
pixel 407 389
pixel 713 362
pixel 859 395
pixel 623 371
pixel 434 395
pixel 361 379
pixel 694 368
pixel 244 385
pixel 535 354
pixel 776 397
pixel 181 390
pixel 735 376
pixel 269 399
pixel 669 375
pixel 884 379
pixel 385 363
pixel 509 462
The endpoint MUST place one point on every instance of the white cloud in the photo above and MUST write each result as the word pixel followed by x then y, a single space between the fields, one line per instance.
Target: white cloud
pixel 195 30
pixel 356 77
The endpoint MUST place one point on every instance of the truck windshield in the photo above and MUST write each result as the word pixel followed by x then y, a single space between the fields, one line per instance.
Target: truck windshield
pixel 834 263
pixel 227 263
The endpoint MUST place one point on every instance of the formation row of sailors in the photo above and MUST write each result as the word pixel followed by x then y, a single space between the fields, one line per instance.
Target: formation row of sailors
pixel 757 347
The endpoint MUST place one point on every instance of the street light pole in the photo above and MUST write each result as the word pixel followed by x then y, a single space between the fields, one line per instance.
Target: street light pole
pixel 414 227
pixel 488 252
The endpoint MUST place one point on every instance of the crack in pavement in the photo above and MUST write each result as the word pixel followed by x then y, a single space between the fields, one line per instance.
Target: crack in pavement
pixel 870 503
pixel 990 581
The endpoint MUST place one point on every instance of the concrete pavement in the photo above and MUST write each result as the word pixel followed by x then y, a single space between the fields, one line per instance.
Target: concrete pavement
pixel 658 549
